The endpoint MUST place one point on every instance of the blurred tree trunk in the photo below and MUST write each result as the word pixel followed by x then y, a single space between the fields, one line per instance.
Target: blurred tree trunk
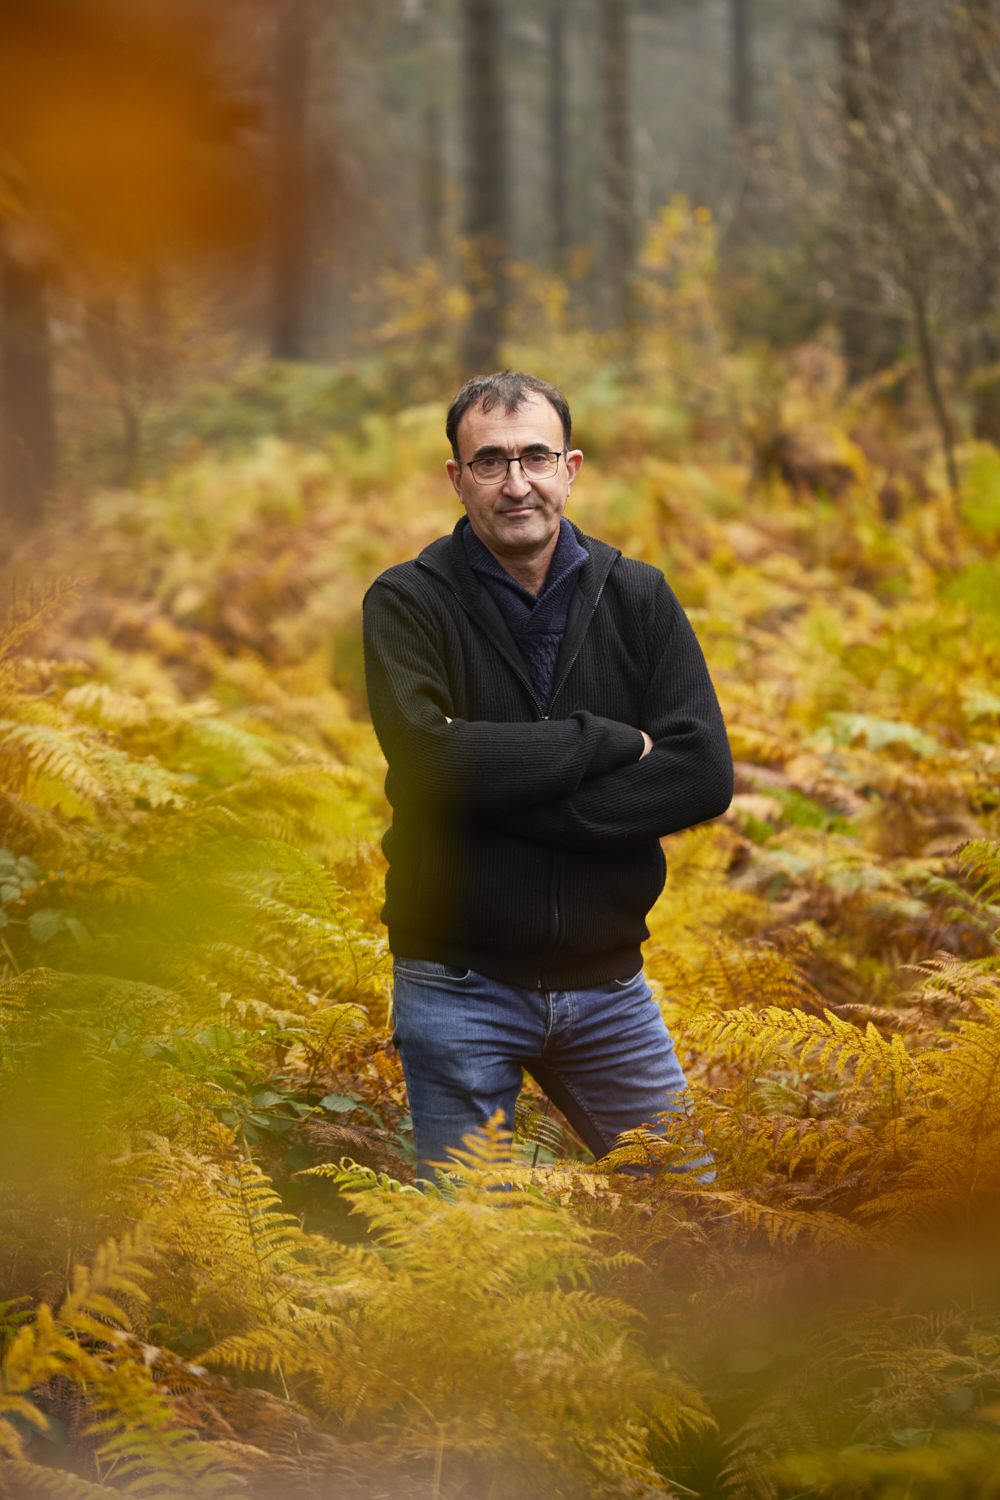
pixel 290 218
pixel 558 123
pixel 432 147
pixel 616 132
pixel 741 99
pixel 977 36
pixel 929 364
pixel 432 182
pixel 900 218
pixel 868 47
pixel 484 127
pixel 27 417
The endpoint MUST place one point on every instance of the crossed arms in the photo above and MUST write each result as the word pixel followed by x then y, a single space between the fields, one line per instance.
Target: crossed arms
pixel 576 783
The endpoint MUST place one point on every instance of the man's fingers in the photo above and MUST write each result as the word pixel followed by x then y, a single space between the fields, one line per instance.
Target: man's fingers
pixel 647 743
pixel 446 719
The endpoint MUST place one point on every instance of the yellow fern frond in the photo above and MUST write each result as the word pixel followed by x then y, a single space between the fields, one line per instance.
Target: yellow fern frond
pixel 825 1042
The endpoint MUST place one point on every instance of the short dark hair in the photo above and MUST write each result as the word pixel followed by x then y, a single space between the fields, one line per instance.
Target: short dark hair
pixel 511 389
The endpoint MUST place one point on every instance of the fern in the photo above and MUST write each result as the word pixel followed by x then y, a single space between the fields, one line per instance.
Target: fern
pixel 826 1042
pixel 485 1294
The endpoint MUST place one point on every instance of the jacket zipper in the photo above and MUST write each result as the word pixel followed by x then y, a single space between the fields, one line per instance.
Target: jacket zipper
pixel 555 923
pixel 558 857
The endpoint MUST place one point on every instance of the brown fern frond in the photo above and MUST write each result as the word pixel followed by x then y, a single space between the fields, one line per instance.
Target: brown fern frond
pixel 23 616
pixel 28 1481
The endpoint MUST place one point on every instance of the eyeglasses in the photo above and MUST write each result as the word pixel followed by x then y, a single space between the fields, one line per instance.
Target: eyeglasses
pixel 493 469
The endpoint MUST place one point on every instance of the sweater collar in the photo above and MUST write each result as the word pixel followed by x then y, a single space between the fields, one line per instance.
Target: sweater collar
pixel 568 558
pixel 446 557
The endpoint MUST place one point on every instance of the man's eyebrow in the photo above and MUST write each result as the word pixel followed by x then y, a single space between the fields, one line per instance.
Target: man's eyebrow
pixel 487 450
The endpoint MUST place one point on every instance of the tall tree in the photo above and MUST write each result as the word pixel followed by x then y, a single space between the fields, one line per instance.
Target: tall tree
pixel 486 185
pixel 976 41
pixel 921 93
pixel 27 415
pixel 616 175
pixel 867 33
pixel 741 89
pixel 558 126
pixel 290 216
pixel 432 144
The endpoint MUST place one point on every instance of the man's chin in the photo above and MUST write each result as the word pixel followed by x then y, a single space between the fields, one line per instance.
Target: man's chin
pixel 524 531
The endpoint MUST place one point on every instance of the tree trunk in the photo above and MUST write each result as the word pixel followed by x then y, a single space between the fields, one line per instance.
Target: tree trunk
pixel 432 182
pixel 741 100
pixel 975 29
pixel 558 123
pixel 486 181
pixel 869 55
pixel 27 419
pixel 613 41
pixel 928 360
pixel 432 148
pixel 290 225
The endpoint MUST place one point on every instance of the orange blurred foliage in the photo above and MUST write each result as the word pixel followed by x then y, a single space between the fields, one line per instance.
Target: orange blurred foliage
pixel 114 134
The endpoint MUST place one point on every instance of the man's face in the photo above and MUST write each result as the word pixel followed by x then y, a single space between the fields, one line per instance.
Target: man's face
pixel 520 516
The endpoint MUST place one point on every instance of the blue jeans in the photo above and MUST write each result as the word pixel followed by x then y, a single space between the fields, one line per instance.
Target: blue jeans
pixel 602 1055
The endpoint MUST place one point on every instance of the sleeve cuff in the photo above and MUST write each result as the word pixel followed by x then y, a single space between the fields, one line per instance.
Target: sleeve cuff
pixel 620 745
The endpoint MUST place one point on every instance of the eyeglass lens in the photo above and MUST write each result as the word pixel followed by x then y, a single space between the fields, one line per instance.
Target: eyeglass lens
pixel 492 468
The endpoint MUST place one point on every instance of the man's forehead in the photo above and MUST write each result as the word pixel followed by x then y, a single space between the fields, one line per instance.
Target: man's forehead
pixel 535 420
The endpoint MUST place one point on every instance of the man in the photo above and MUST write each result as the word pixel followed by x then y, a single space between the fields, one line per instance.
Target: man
pixel 547 717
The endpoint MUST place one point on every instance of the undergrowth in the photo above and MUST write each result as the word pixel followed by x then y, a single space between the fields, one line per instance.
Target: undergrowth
pixel 216 1275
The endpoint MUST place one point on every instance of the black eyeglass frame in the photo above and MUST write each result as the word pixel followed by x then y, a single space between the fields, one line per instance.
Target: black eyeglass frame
pixel 516 458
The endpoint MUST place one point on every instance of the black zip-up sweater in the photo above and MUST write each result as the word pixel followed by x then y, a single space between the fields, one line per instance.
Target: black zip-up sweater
pixel 525 845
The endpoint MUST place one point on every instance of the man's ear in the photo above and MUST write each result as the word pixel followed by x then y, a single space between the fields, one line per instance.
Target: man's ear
pixel 574 459
pixel 455 475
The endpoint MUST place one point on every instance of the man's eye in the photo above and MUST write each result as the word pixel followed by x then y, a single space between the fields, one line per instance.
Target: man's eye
pixel 489 465
pixel 537 463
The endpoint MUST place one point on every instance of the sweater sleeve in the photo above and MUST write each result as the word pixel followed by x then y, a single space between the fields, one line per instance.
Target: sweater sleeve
pixel 686 778
pixel 489 769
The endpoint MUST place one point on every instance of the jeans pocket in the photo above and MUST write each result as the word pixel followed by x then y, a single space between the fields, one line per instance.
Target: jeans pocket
pixel 425 968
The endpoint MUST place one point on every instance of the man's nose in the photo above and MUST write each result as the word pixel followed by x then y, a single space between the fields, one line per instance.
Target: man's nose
pixel 515 485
